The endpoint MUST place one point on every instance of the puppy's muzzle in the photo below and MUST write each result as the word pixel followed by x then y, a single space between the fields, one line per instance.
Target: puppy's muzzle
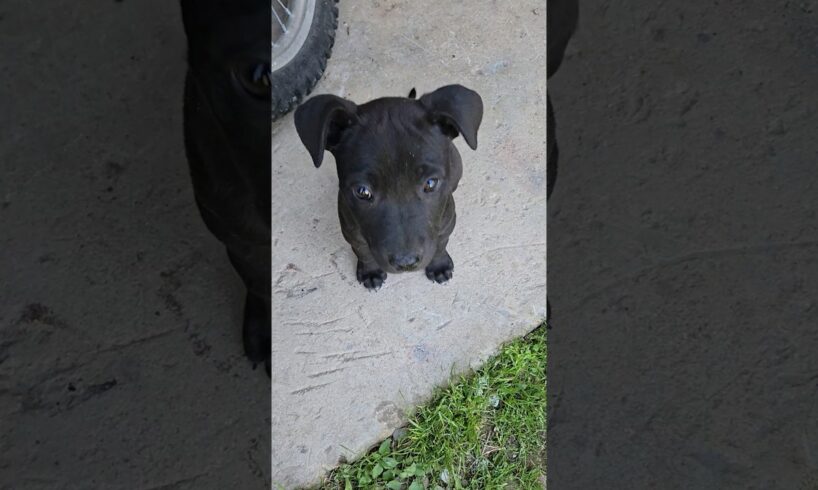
pixel 404 262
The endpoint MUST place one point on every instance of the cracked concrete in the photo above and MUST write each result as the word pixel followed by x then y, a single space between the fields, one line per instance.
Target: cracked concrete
pixel 349 364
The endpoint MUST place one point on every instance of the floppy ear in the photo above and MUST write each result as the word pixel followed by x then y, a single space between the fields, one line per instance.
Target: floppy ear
pixel 457 110
pixel 320 121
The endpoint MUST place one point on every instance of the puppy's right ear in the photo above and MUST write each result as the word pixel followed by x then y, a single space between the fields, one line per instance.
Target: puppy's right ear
pixel 320 121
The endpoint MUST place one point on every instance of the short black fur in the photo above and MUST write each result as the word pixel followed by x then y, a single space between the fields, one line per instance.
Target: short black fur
pixel 227 128
pixel 397 169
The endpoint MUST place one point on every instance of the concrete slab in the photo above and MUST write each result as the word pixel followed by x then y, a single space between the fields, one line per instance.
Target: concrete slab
pixel 348 364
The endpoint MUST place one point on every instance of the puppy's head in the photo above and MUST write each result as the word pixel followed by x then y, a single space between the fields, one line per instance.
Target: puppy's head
pixel 397 166
pixel 229 63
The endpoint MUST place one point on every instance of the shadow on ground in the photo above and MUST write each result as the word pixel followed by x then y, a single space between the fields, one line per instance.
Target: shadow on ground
pixel 682 245
pixel 121 363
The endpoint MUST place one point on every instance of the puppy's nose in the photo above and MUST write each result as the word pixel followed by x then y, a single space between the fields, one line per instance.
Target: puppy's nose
pixel 404 262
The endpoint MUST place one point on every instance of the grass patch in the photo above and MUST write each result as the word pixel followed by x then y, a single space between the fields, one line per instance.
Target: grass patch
pixel 484 431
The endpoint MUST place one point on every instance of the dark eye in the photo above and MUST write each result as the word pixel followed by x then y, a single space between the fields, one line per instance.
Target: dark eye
pixel 256 80
pixel 430 185
pixel 363 192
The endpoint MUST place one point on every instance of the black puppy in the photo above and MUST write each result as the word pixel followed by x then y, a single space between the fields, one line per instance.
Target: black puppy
pixel 227 125
pixel 397 170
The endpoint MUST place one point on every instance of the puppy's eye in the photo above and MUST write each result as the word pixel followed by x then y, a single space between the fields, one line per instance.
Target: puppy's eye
pixel 430 185
pixel 255 79
pixel 363 192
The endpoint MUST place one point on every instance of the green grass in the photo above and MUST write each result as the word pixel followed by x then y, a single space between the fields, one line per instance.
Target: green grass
pixel 484 431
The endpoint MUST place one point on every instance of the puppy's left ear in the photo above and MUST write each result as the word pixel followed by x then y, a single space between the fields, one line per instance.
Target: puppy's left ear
pixel 457 110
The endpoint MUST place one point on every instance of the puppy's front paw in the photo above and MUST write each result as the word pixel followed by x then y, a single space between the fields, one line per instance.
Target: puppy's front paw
pixel 440 269
pixel 256 332
pixel 371 278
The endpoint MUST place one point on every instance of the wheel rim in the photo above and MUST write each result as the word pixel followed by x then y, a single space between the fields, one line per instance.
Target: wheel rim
pixel 292 20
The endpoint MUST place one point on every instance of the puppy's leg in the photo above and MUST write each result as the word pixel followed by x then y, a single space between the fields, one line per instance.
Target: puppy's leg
pixel 256 330
pixel 441 267
pixel 253 267
pixel 368 272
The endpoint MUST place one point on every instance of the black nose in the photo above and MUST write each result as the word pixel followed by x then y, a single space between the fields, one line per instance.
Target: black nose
pixel 404 262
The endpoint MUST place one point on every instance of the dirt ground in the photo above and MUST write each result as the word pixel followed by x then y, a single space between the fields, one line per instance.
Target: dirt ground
pixel 682 248
pixel 121 363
